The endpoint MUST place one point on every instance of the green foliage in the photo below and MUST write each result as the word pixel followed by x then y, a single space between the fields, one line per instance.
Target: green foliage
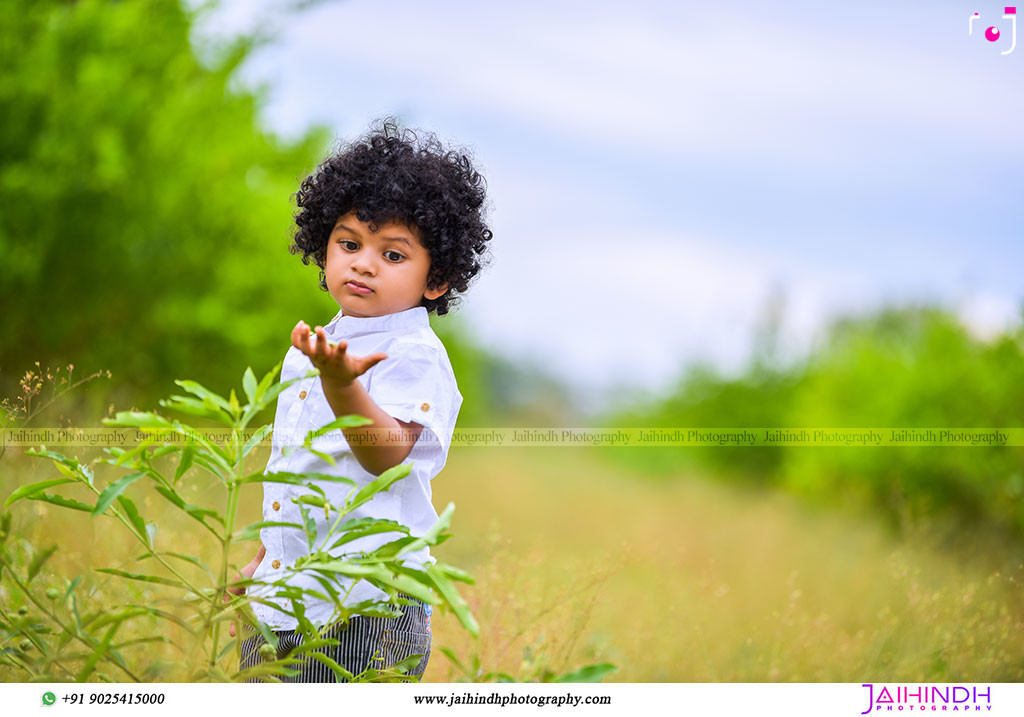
pixel 912 367
pixel 57 633
pixel 915 368
pixel 146 211
pixel 63 644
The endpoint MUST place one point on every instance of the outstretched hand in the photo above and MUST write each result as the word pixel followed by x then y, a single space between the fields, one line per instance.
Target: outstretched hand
pixel 335 363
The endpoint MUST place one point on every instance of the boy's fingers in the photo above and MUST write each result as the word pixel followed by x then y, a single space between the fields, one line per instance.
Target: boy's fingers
pixel 300 337
pixel 371 361
pixel 321 342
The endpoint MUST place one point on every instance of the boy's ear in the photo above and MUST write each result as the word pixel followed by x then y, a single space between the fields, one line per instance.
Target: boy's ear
pixel 436 293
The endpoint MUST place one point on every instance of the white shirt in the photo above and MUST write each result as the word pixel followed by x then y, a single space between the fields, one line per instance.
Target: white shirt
pixel 415 383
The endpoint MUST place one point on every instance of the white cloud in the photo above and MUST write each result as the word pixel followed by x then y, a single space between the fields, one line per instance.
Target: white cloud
pixel 825 95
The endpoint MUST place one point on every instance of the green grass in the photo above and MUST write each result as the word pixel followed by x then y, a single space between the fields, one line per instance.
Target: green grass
pixel 681 580
pixel 691 581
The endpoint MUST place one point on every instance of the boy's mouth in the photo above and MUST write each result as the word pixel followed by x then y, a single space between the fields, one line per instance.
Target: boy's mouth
pixel 358 288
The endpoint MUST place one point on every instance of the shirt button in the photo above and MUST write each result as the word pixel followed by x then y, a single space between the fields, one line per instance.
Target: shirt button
pixel 276 564
pixel 425 407
pixel 277 506
pixel 302 394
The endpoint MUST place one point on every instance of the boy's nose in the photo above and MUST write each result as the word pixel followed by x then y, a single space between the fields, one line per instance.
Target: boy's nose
pixel 363 265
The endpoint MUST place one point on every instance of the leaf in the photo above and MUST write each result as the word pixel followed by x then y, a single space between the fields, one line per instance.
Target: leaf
pixel 180 556
pixel 155 638
pixel 256 439
pixel 171 495
pixel 335 667
pixel 191 510
pixel 454 573
pixel 364 523
pixel 194 407
pixel 37 562
pixel 122 456
pixel 63 502
pixel 459 606
pixel 314 644
pixel 382 526
pixel 140 577
pixel 133 515
pixel 112 491
pixel 164 450
pixel 292 478
pixel 251 532
pixel 325 457
pixel 405 545
pixel 197 389
pixel 44 452
pixel 375 574
pixel 198 513
pixel 214 468
pixel 389 550
pixel 380 483
pixel 450 654
pixel 249 384
pixel 185 462
pixel 68 466
pixel 590 673
pixel 32 489
pixel 502 677
pixel 349 421
pixel 137 419
pixel 267 380
pixel 309 526
pixel 274 390
pixel 212 452
pixel 71 587
pixel 98 652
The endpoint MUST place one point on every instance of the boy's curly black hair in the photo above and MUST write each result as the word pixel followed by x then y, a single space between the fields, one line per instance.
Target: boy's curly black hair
pixel 392 175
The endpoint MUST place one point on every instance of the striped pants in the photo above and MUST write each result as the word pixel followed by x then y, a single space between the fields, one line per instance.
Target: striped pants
pixel 377 642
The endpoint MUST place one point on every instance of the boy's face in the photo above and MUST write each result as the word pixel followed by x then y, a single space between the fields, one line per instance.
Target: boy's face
pixel 390 262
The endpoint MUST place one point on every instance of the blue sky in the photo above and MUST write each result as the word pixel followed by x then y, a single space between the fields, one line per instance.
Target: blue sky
pixel 657 170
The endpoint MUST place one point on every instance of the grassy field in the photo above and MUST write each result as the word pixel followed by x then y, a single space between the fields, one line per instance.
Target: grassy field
pixel 681 581
pixel 690 581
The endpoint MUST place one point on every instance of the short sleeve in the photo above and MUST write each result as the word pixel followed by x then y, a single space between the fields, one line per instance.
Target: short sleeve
pixel 414 383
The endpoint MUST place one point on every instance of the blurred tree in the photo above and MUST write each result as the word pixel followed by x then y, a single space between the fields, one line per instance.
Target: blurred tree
pixel 902 367
pixel 145 212
pixel 914 367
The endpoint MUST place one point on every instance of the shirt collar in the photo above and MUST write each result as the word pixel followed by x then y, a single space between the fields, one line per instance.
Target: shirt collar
pixel 343 326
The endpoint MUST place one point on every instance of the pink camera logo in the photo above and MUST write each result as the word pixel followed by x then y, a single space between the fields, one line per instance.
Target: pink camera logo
pixel 992 34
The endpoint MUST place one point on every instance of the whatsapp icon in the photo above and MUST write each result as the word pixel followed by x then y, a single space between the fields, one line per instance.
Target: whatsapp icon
pixel 49 698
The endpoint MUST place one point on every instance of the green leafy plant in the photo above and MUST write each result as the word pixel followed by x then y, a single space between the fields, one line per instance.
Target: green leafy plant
pixel 50 638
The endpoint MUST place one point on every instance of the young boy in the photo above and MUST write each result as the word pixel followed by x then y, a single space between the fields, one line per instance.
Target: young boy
pixel 395 225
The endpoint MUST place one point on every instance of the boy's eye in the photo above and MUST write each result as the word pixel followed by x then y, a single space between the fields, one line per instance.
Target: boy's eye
pixel 398 257
pixel 345 243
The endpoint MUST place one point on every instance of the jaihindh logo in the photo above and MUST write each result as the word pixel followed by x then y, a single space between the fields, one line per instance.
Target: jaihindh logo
pixel 930 698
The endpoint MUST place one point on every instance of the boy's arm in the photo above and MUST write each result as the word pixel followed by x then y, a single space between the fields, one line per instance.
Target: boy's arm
pixel 378 446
